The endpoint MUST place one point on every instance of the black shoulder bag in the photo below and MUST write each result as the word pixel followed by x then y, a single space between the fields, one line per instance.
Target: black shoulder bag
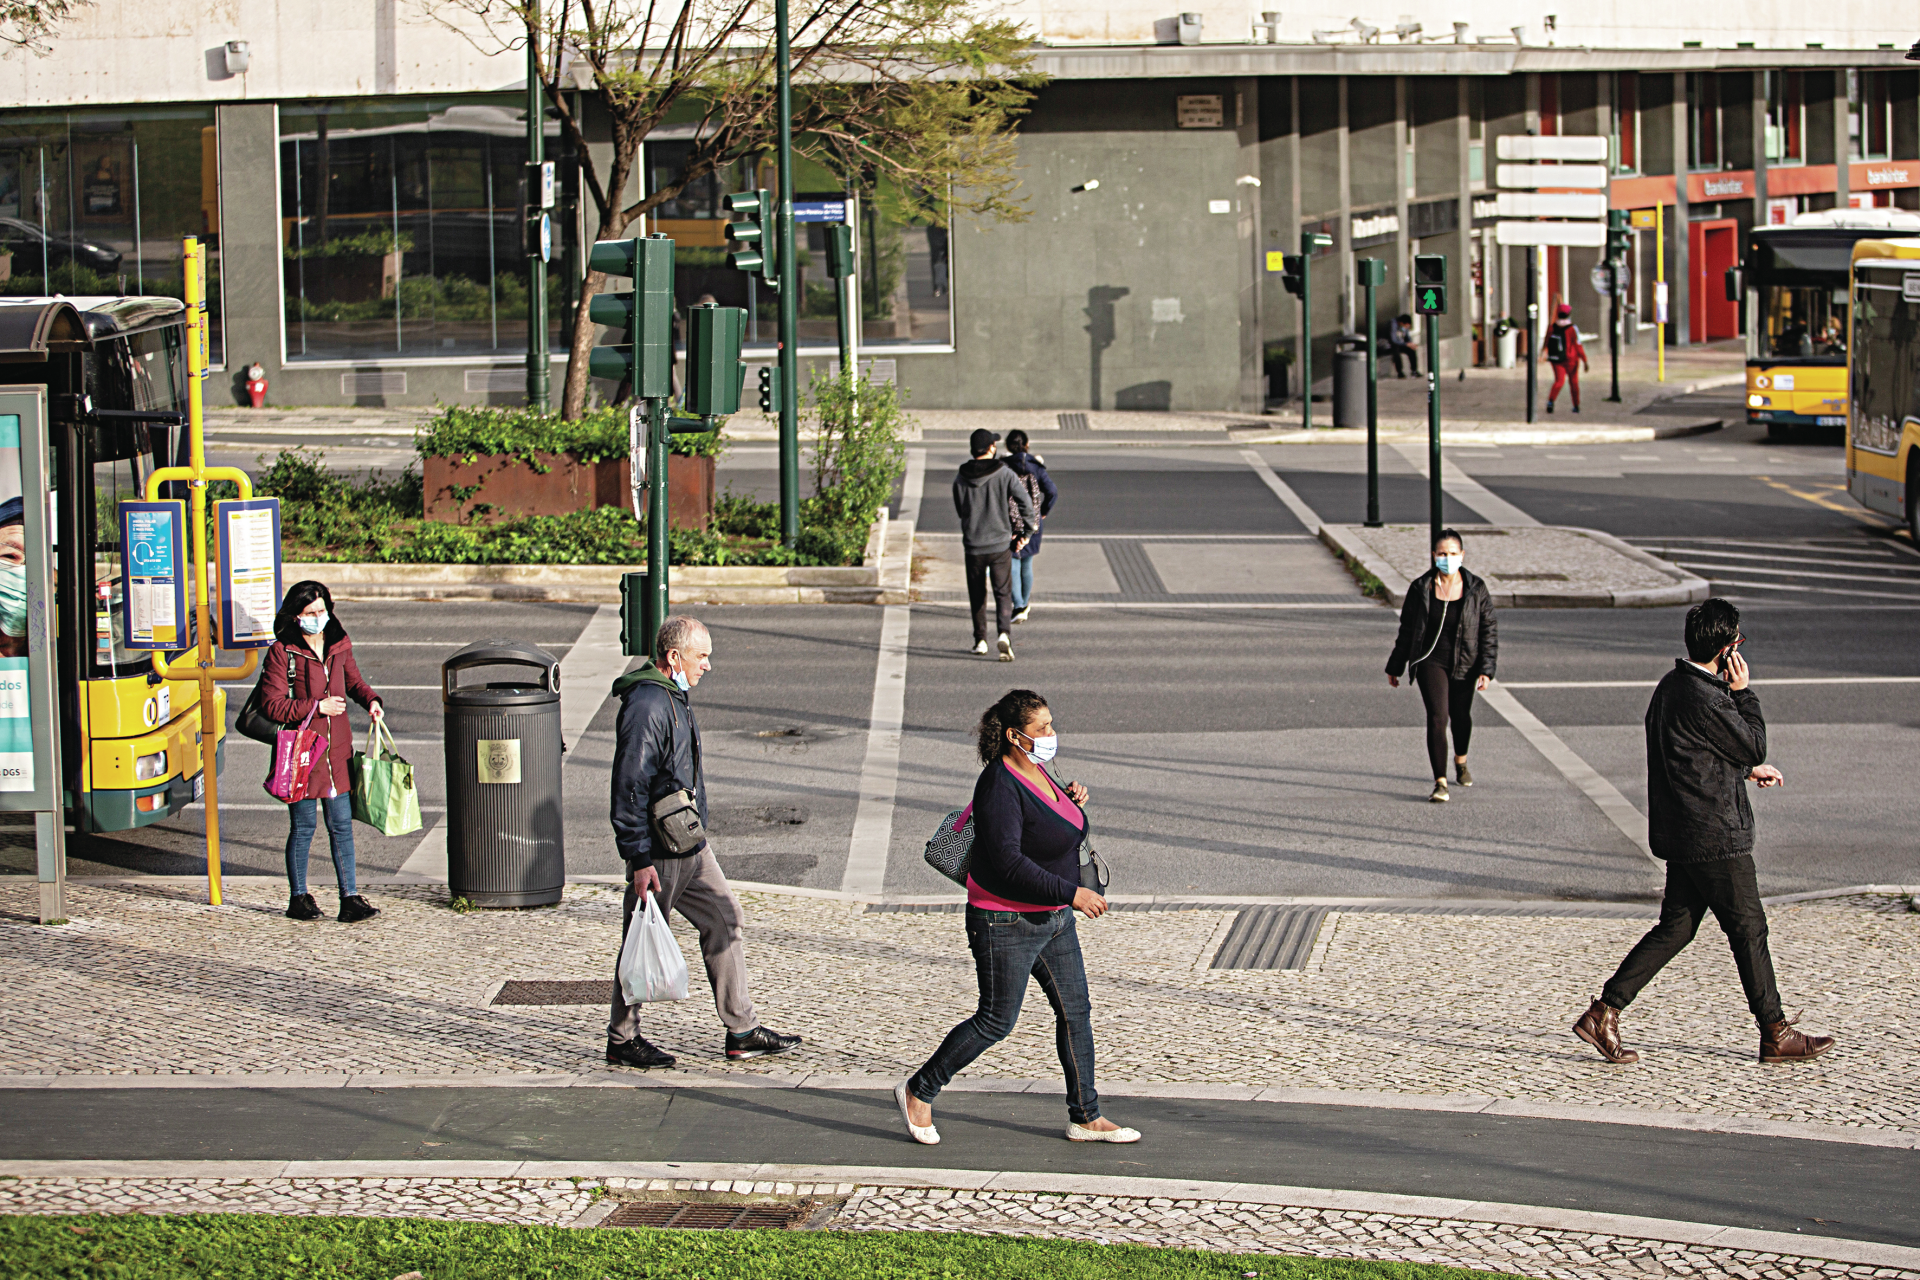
pixel 253 721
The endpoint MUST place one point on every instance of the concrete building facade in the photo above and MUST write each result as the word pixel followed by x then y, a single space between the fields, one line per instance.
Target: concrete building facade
pixel 359 174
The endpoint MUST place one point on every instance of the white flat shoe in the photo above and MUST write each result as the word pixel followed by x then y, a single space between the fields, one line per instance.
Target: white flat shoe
pixel 922 1133
pixel 1077 1134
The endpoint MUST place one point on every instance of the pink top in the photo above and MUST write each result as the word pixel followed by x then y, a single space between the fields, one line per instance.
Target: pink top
pixel 1060 804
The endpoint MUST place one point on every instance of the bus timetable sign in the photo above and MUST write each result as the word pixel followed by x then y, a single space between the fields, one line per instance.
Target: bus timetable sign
pixel 153 574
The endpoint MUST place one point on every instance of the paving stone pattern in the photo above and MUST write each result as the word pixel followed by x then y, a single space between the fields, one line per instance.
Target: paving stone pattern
pixel 1212 1225
pixel 1399 1003
pixel 1542 561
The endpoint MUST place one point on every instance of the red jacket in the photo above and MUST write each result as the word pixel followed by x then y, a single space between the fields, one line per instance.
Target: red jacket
pixel 1576 354
pixel 314 678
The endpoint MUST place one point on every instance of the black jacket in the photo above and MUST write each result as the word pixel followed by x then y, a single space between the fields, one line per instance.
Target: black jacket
pixel 1702 740
pixel 1477 650
pixel 1029 465
pixel 656 752
pixel 1023 851
pixel 982 488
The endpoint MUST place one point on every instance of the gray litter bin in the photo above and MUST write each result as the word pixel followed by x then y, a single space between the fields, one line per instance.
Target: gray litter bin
pixel 505 846
pixel 1350 383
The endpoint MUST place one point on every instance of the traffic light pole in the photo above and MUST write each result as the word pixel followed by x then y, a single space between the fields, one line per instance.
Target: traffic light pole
pixel 1306 331
pixel 1433 426
pixel 537 363
pixel 789 291
pixel 657 545
pixel 1369 268
pixel 1533 328
pixel 1613 326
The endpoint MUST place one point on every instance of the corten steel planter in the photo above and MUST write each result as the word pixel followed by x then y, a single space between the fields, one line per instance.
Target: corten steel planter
pixel 510 488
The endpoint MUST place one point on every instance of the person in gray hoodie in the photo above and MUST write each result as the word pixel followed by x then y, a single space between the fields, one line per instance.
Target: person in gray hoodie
pixel 986 493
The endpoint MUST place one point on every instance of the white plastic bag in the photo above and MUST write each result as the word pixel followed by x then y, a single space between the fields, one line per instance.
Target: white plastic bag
pixel 651 966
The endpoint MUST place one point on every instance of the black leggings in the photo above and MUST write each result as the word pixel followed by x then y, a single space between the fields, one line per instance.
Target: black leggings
pixel 1447 700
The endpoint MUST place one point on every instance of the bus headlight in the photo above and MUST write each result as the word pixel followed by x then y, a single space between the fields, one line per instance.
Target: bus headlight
pixel 1758 402
pixel 147 768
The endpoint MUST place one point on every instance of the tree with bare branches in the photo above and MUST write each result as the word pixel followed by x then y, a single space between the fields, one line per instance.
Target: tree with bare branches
pixel 914 101
pixel 30 24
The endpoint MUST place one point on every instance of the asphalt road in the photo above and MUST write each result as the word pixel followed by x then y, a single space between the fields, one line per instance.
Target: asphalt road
pixel 1774 1184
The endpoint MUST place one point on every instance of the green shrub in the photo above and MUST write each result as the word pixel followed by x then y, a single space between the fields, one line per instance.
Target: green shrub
pixel 599 435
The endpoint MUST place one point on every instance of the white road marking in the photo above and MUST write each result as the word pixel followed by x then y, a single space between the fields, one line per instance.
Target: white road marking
pixel 429 858
pixel 872 838
pixel 1466 490
pixel 1892 579
pixel 1825 591
pixel 1283 491
pixel 1648 684
pixel 1605 796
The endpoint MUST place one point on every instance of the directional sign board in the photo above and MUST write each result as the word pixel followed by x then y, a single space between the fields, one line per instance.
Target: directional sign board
pixel 1533 204
pixel 153 574
pixel 1515 146
pixel 1584 235
pixel 1580 177
pixel 819 210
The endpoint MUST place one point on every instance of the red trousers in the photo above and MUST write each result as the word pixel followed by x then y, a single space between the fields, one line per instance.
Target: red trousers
pixel 1567 375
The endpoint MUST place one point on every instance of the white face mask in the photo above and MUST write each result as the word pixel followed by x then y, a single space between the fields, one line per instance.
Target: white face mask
pixel 313 623
pixel 1449 563
pixel 1044 749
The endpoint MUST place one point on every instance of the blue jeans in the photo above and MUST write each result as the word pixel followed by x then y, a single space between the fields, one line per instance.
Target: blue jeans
pixel 1022 581
pixel 1009 947
pixel 301 821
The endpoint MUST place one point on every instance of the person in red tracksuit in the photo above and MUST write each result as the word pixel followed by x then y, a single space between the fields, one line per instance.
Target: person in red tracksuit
pixel 1564 353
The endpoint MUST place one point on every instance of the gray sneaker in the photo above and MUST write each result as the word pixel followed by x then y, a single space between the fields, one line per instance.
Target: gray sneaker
pixel 1439 795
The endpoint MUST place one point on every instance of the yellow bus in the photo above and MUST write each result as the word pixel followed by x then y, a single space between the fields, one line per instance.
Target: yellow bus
pixel 131 744
pixel 1795 281
pixel 1883 416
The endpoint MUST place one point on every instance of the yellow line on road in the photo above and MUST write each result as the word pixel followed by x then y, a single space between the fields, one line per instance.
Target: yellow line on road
pixel 1818 496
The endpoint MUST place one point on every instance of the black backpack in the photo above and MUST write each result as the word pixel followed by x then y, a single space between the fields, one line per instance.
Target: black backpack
pixel 1557 345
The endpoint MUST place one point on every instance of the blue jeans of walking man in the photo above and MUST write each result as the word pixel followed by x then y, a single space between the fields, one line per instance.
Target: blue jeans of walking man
pixel 303 818
pixel 1009 947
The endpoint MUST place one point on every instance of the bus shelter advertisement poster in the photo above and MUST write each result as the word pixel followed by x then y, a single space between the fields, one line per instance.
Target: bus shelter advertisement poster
pixel 16 709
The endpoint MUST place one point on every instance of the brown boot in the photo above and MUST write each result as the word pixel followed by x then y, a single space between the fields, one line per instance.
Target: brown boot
pixel 1779 1042
pixel 1599 1026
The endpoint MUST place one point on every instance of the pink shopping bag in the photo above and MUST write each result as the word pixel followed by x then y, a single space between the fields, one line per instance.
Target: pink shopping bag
pixel 294 754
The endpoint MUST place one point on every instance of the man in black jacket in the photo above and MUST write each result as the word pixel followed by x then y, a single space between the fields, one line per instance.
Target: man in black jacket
pixel 986 493
pixel 1705 739
pixel 656 753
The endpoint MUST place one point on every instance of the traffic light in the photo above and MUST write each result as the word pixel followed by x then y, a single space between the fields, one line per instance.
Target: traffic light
pixel 1619 239
pixel 770 390
pixel 1430 284
pixel 1370 272
pixel 645 357
pixel 636 636
pixel 752 211
pixel 839 250
pixel 1314 241
pixel 713 360
pixel 1293 274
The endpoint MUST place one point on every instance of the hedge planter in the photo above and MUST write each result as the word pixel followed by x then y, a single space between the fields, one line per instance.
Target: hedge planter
pixel 508 487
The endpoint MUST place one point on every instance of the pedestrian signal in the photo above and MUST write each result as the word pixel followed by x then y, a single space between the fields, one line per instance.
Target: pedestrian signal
pixel 1430 284
pixel 839 250
pixel 770 389
pixel 751 210
pixel 643 356
pixel 1293 274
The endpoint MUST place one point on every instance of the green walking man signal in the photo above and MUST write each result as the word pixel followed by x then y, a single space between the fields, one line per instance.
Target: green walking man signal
pixel 1430 284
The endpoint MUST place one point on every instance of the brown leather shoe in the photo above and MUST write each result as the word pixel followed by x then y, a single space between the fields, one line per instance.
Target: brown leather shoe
pixel 1599 1026
pixel 1779 1042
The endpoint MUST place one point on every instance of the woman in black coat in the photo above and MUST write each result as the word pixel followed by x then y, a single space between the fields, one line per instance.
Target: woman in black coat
pixel 1451 643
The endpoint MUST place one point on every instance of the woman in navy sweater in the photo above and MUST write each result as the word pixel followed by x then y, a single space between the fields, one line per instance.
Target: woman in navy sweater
pixel 1023 886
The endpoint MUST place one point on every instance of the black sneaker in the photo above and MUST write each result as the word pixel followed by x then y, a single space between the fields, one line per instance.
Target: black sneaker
pixel 355 908
pixel 637 1053
pixel 301 906
pixel 758 1043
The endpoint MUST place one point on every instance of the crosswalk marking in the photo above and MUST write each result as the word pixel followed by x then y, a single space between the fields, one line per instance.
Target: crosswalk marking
pixel 1845 568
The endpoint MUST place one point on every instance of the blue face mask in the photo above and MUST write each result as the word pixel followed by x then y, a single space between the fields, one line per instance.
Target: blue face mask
pixel 313 623
pixel 1448 564
pixel 680 681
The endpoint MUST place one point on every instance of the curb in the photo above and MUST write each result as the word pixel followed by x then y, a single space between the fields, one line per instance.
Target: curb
pixel 745 1176
pixel 1348 541
pixel 1472 433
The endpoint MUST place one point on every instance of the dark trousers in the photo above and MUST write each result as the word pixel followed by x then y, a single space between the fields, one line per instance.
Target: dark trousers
pixel 999 566
pixel 1396 351
pixel 1008 948
pixel 1728 889
pixel 1449 702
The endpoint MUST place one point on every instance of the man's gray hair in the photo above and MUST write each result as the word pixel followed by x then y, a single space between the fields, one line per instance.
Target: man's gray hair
pixel 675 633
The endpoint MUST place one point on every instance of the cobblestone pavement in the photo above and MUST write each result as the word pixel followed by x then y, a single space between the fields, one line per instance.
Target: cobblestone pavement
pixel 148 980
pixel 1213 1225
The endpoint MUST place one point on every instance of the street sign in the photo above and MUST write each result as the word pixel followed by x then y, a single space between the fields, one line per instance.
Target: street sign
pixel 1641 219
pixel 1660 302
pixel 1580 177
pixel 1599 278
pixel 819 210
pixel 545 183
pixel 153 574
pixel 249 541
pixel 1515 146
pixel 1586 235
pixel 1533 204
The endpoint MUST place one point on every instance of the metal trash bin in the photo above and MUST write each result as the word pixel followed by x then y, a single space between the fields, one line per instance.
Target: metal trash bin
pixel 1350 383
pixel 505 844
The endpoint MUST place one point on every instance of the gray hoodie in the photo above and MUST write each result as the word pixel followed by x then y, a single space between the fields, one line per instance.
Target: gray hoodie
pixel 981 492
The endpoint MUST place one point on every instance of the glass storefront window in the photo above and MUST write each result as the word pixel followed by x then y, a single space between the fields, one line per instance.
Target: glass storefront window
pixel 96 202
pixel 402 228
pixel 906 278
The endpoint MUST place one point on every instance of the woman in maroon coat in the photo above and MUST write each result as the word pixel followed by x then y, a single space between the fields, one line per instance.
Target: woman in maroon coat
pixel 311 643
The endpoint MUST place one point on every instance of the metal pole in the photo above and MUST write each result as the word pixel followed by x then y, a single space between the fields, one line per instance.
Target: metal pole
pixel 1306 332
pixel 537 370
pixel 657 546
pixel 1613 326
pixel 1533 329
pixel 1373 414
pixel 1433 426
pixel 789 308
pixel 193 264
pixel 1660 284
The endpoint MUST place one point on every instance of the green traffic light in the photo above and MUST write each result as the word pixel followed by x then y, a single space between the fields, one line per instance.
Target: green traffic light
pixel 614 310
pixel 613 257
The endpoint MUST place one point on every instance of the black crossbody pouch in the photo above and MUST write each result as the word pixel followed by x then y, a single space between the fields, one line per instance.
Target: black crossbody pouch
pixel 676 816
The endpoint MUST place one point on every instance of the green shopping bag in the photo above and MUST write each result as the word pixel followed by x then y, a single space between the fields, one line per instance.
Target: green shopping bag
pixel 383 793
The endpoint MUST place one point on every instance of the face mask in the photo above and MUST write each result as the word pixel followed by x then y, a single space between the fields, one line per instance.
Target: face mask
pixel 680 681
pixel 13 599
pixel 313 623
pixel 1044 749
pixel 1447 564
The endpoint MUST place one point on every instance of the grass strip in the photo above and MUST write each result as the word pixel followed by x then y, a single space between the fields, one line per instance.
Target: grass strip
pixel 224 1246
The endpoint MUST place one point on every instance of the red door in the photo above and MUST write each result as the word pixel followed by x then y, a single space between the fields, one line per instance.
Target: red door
pixel 1715 250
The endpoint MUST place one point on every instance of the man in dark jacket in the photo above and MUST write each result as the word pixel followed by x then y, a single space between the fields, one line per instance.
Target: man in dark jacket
pixel 982 492
pixel 656 753
pixel 1705 739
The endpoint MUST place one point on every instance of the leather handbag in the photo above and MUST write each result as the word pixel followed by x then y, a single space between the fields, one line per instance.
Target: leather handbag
pixel 1093 872
pixel 253 721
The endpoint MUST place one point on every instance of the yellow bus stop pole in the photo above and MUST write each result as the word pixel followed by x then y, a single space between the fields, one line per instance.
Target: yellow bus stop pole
pixel 198 474
pixel 1660 278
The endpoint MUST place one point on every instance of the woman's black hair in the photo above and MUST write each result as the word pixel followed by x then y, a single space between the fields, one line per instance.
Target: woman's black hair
pixel 1016 441
pixel 1014 710
pixel 1452 535
pixel 286 623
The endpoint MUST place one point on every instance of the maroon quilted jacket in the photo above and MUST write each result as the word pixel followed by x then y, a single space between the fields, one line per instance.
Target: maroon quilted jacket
pixel 314 678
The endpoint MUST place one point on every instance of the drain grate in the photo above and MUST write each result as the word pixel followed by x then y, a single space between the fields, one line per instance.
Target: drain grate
pixel 1270 938
pixel 1074 422
pixel 587 991
pixel 681 1215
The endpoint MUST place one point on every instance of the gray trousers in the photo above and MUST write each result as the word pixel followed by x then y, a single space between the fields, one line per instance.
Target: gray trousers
pixel 698 890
